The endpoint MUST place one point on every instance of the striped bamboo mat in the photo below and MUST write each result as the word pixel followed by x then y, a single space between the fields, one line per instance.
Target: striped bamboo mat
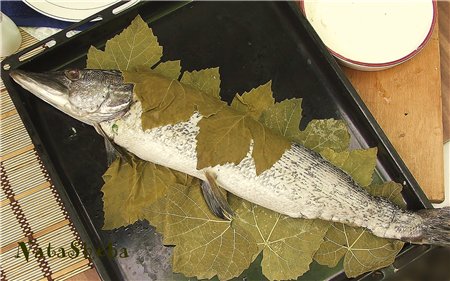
pixel 31 209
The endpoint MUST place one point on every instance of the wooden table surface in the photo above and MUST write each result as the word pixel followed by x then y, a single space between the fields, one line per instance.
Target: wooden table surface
pixel 400 142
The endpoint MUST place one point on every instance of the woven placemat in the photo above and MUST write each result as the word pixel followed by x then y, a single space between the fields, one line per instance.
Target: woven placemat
pixel 31 210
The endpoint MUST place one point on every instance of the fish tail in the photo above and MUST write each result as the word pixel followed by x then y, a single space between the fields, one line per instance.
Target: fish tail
pixel 435 227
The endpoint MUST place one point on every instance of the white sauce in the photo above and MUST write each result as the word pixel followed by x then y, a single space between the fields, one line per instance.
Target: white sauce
pixel 371 31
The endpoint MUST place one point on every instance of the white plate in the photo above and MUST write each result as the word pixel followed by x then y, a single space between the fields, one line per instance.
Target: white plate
pixel 73 10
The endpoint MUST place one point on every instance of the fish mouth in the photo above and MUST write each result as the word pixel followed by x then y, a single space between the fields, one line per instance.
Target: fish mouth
pixel 51 87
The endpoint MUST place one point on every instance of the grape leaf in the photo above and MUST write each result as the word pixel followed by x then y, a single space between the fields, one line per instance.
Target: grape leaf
pixel 230 143
pixel 206 80
pixel 255 102
pixel 283 117
pixel 167 101
pixel 135 46
pixel 268 147
pixel 390 190
pixel 362 251
pixel 225 137
pixel 288 244
pixel 205 245
pixel 359 163
pixel 329 133
pixel 130 188
pixel 169 69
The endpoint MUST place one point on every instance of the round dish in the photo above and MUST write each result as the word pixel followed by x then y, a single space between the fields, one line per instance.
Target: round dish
pixel 372 35
pixel 72 11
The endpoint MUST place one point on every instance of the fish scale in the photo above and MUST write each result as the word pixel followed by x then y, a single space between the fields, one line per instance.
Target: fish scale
pixel 300 184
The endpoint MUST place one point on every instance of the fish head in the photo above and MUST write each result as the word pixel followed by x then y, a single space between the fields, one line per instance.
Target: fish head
pixel 89 95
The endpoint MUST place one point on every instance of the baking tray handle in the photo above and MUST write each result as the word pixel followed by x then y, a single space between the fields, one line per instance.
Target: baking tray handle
pixel 19 58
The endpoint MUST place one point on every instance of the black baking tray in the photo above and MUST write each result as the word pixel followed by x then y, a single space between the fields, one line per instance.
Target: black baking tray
pixel 251 43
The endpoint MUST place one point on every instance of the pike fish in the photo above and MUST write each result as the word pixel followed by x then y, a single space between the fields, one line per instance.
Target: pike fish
pixel 301 184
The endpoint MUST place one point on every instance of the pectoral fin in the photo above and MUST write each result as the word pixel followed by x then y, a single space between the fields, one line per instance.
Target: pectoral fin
pixel 215 197
pixel 112 149
pixel 111 153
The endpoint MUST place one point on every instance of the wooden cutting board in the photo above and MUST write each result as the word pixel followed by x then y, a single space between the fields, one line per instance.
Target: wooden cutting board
pixel 406 102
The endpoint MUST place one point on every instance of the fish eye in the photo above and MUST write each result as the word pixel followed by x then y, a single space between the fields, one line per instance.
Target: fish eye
pixel 72 74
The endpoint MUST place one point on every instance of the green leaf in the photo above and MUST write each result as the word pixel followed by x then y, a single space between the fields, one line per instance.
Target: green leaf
pixel 169 69
pixel 359 163
pixel 362 251
pixel 223 138
pixel 170 102
pixel 288 244
pixel 329 133
pixel 134 47
pixel 390 190
pixel 255 102
pixel 268 147
pixel 206 80
pixel 283 117
pixel 166 97
pixel 128 189
pixel 205 245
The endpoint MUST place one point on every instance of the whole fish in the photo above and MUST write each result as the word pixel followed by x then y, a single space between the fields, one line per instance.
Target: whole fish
pixel 301 184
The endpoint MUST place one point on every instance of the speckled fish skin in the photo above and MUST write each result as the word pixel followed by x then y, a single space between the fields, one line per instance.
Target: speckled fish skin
pixel 301 184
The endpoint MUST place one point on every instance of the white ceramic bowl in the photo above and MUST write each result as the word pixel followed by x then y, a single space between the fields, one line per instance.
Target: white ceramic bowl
pixel 372 35
pixel 10 36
